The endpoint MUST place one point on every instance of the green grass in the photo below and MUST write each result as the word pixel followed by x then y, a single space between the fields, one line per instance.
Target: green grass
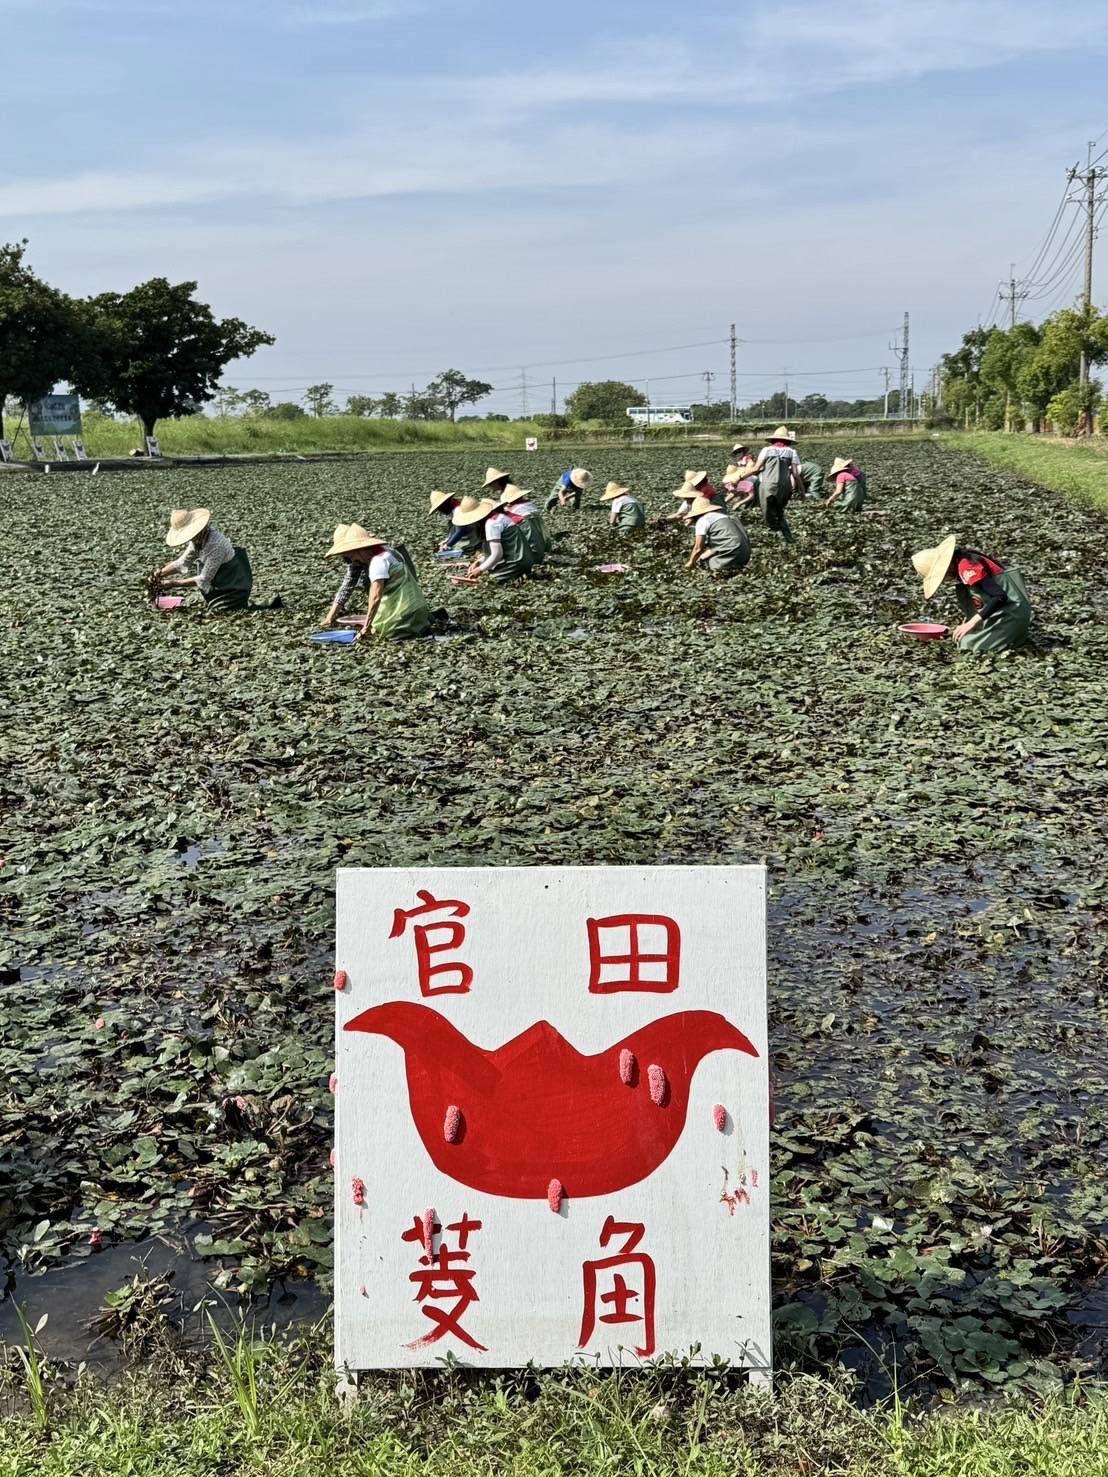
pixel 1081 472
pixel 186 1417
pixel 255 435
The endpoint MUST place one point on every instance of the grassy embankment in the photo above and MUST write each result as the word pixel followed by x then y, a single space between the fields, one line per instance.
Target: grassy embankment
pixel 1070 467
pixel 265 1408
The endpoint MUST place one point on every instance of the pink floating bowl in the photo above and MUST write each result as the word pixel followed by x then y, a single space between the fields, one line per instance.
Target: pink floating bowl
pixel 169 602
pixel 923 630
pixel 351 620
pixel 612 568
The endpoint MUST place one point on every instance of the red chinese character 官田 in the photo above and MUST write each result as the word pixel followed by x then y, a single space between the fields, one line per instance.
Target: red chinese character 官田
pixel 620 1289
pixel 443 1278
pixel 634 951
pixel 433 938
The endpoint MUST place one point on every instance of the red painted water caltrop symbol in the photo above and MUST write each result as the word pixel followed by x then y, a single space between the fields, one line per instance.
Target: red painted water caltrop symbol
pixel 634 951
pixel 450 935
pixel 626 1298
pixel 443 1277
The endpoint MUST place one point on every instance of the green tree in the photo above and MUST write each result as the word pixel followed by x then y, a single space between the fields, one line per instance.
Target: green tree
pixel 287 410
pixel 318 399
pixel 1006 354
pixel 43 334
pixel 362 405
pixel 422 405
pixel 602 400
pixel 452 389
pixel 159 352
pixel 255 402
pixel 390 405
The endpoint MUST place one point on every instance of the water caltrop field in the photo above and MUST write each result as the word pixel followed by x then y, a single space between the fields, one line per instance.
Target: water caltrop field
pixel 176 792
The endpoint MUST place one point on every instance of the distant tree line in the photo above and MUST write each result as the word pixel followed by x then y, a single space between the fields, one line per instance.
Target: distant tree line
pixel 152 352
pixel 439 401
pixel 1028 376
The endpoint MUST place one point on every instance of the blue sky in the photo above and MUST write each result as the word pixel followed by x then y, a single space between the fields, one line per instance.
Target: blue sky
pixel 394 187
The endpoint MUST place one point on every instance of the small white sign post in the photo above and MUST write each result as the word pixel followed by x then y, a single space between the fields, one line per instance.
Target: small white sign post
pixel 531 443
pixel 552 1103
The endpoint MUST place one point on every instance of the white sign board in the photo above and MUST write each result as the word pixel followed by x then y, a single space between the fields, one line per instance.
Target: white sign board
pixel 152 447
pixel 552 1103
pixel 531 443
pixel 55 415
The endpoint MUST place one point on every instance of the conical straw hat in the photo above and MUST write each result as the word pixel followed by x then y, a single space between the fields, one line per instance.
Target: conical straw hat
pixel 612 491
pixel 739 446
pixel 464 517
pixel 511 494
pixel 694 479
pixel 438 497
pixel 781 434
pixel 684 491
pixel 703 505
pixel 351 536
pixel 932 564
pixel 185 524
pixel 580 478
pixel 494 474
pixel 840 464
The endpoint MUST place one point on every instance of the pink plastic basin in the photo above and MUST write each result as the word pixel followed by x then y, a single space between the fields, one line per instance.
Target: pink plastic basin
pixel 351 620
pixel 169 602
pixel 923 630
pixel 612 568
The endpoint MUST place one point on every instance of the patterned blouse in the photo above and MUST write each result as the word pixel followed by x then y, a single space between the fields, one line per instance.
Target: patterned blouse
pixel 215 551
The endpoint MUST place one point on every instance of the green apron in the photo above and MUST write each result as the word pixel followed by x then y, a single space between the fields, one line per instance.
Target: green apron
pixel 774 511
pixel 232 584
pixel 534 536
pixel 517 558
pixel 812 476
pixel 854 497
pixel 572 495
pixel 630 517
pixel 403 610
pixel 1005 630
pixel 729 547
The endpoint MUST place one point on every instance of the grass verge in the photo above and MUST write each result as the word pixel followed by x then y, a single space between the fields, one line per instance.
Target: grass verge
pixel 1080 472
pixel 264 1406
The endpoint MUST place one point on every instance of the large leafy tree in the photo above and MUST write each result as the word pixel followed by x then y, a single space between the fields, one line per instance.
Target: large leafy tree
pixel 43 336
pixel 602 400
pixel 318 399
pixel 159 352
pixel 453 389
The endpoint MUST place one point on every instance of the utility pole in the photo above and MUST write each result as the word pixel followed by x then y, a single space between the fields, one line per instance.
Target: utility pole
pixel 709 376
pixel 901 352
pixel 886 373
pixel 1088 178
pixel 785 377
pixel 1013 296
pixel 553 394
pixel 734 378
pixel 523 393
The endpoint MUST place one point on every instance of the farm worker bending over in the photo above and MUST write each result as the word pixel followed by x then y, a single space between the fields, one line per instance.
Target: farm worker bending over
pixel 991 596
pixel 446 505
pixel 720 541
pixel 508 556
pixel 626 512
pixel 778 473
pixel 811 479
pixel 568 489
pixel 695 485
pixel 525 515
pixel 848 485
pixel 223 574
pixel 397 606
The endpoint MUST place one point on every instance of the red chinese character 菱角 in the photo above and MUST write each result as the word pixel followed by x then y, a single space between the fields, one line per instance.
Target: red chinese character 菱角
pixel 434 938
pixel 620 1289
pixel 634 951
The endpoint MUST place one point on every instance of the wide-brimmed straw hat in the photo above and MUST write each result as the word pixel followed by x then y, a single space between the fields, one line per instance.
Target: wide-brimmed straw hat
pixel 580 478
pixel 684 491
pixel 351 536
pixel 694 479
pixel 185 524
pixel 703 505
pixel 494 474
pixel 932 564
pixel 739 446
pixel 511 494
pixel 781 434
pixel 840 464
pixel 463 517
pixel 438 497
pixel 612 491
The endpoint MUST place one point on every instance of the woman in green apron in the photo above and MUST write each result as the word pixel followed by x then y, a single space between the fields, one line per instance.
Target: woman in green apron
pixel 848 485
pixel 223 575
pixel 525 515
pixel 508 555
pixel 397 606
pixel 992 596
pixel 720 543
pixel 626 514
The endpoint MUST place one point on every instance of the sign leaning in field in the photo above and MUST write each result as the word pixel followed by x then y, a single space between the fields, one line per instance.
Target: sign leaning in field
pixel 552 1102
